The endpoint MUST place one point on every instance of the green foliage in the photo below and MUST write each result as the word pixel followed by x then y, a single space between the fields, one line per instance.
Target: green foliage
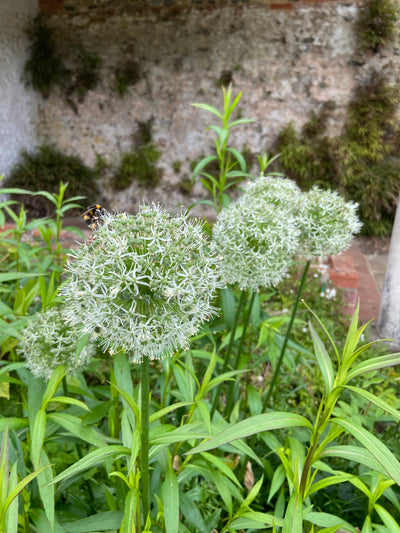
pixel 44 69
pixel 140 163
pixel 363 162
pixel 376 25
pixel 228 167
pixel 125 76
pixel 44 170
pixel 86 74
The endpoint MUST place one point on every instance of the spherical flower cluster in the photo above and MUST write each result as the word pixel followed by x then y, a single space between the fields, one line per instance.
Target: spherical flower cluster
pixel 144 284
pixel 257 236
pixel 48 342
pixel 327 223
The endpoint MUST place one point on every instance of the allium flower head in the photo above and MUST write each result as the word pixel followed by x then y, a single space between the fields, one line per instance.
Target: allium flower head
pixel 48 341
pixel 327 223
pixel 258 236
pixel 144 284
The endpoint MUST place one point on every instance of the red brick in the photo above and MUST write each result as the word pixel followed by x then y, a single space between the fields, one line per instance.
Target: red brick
pixel 281 6
pixel 51 7
pixel 347 279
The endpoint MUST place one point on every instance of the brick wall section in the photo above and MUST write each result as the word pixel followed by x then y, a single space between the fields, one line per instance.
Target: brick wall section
pixel 98 8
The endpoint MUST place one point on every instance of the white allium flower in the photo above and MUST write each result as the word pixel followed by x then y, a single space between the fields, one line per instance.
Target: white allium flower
pixel 144 284
pixel 327 223
pixel 48 341
pixel 258 236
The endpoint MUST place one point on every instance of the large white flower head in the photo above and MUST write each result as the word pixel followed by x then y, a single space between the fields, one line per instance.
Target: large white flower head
pixel 144 284
pixel 48 341
pixel 258 236
pixel 327 223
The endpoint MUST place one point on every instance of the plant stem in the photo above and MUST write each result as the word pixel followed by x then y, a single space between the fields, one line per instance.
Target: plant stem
pixel 286 339
pixel 246 319
pixel 229 349
pixel 144 427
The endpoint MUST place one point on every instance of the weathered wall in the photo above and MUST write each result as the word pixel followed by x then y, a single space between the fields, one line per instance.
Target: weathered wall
pixel 18 106
pixel 287 62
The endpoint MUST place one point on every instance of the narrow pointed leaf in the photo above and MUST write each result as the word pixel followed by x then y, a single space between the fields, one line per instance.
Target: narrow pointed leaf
pixel 323 359
pixel 375 400
pixel 293 521
pixel 209 108
pixel 91 459
pixel 251 426
pixel 376 363
pixel 170 498
pixel 378 450
pixel 98 522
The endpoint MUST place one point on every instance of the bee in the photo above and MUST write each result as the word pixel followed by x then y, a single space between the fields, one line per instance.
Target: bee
pixel 94 215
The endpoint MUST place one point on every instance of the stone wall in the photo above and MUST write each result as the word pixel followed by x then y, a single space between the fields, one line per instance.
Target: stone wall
pixel 286 62
pixel 18 106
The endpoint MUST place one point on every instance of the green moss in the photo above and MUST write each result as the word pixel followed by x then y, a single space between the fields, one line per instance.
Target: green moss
pixel 43 170
pixel 176 166
pixel 363 163
pixel 86 74
pixel 186 185
pixel 125 76
pixel 140 163
pixel 376 26
pixel 44 69
pixel 225 78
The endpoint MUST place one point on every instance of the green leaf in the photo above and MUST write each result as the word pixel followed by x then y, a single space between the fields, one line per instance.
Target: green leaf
pixel 370 365
pixel 70 401
pixel 203 163
pixel 209 108
pixel 20 487
pixel 192 514
pixel 37 436
pixel 277 481
pixel 170 499
pixel 293 521
pixel 375 400
pixel 323 359
pixel 98 522
pixel 387 519
pixel 221 466
pixel 251 426
pixel 378 450
pixel 10 276
pixel 91 459
pixel 255 520
pixel 75 426
pixel 239 157
pixel 162 412
pixel 354 453
pixel 328 520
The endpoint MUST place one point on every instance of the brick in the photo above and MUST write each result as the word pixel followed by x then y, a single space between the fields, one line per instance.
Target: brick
pixel 284 6
pixel 51 7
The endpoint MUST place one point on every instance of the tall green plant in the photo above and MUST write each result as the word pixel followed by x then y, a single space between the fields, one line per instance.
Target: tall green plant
pixel 232 168
pixel 303 462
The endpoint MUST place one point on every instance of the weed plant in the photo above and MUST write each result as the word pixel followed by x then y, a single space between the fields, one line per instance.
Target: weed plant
pixel 44 170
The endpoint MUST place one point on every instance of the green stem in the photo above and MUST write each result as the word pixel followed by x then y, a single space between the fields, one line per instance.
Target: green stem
pixel 246 320
pixel 144 451
pixel 229 349
pixel 286 339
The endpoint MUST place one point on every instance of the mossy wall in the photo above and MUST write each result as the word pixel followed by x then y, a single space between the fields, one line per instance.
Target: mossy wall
pixel 287 62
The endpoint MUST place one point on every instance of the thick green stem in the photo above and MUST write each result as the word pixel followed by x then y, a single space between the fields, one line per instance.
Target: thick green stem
pixel 229 349
pixel 246 320
pixel 144 451
pixel 286 339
